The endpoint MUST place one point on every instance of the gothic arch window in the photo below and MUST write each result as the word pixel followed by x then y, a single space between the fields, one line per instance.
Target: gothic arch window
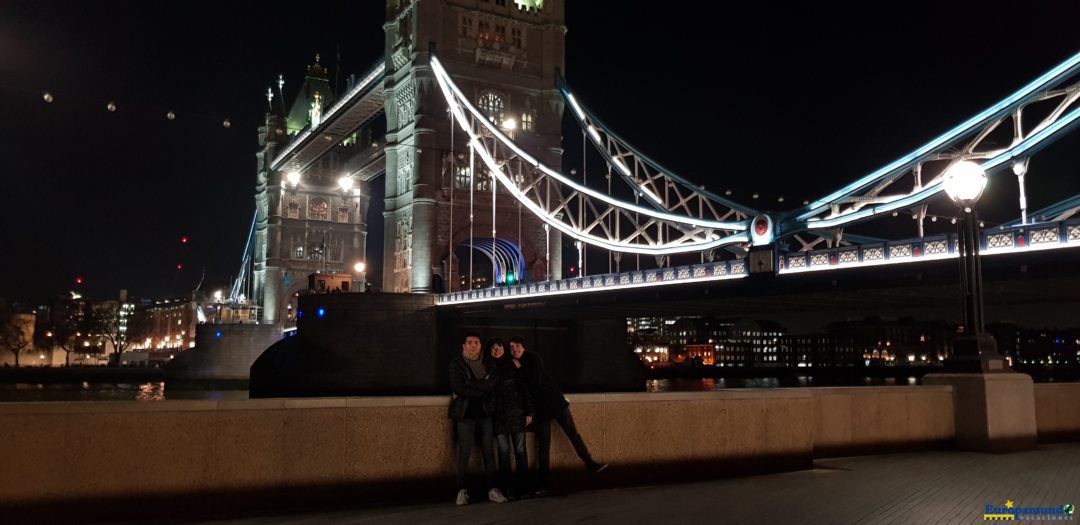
pixel 461 180
pixel 292 210
pixel 491 104
pixel 319 210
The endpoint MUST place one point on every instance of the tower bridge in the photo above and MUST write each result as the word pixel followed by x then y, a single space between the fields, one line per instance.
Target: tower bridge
pixel 461 122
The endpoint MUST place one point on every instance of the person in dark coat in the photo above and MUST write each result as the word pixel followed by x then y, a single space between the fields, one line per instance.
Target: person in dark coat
pixel 513 412
pixel 471 408
pixel 550 404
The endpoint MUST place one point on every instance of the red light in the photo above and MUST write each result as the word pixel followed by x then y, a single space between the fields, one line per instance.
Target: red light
pixel 183 240
pixel 78 280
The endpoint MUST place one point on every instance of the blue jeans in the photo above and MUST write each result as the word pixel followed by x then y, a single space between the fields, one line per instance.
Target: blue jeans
pixel 466 438
pixel 515 442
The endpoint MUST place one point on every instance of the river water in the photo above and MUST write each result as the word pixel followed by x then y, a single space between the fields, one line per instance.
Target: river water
pixel 157 391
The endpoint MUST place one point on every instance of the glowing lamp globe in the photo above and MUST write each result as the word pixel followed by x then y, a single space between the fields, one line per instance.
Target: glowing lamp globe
pixel 964 182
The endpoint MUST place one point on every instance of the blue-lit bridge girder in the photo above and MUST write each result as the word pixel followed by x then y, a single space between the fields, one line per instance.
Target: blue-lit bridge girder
pixel 662 188
pixel 922 169
pixel 505 256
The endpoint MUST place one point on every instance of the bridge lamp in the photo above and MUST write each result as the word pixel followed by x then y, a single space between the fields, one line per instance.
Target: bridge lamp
pixel 293 178
pixel 975 350
pixel 345 183
pixel 964 183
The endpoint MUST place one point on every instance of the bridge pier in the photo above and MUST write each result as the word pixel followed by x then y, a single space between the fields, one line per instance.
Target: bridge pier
pixel 382 343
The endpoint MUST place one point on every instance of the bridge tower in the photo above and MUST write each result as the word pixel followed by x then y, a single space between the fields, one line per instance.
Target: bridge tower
pixel 504 54
pixel 309 225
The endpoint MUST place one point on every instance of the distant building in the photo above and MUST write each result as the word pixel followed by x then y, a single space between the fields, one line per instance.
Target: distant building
pixel 712 341
pixel 1037 346
pixel 167 325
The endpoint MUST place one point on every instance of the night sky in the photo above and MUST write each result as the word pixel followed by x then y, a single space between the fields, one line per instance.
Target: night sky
pixel 792 101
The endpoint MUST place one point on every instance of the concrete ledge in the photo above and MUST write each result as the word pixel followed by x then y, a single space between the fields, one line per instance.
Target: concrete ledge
pixel 1057 411
pixel 143 460
pixel 859 420
pixel 993 412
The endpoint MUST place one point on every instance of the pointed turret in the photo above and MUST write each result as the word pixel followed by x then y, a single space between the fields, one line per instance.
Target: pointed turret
pixel 313 99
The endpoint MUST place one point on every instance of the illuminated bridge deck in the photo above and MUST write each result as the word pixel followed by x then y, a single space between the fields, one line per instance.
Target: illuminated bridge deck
pixel 1004 240
pixel 928 487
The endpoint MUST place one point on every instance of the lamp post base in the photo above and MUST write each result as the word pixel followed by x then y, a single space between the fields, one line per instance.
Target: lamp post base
pixel 976 354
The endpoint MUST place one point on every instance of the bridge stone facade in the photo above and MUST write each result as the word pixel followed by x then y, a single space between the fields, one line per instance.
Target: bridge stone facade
pixel 505 55
pixel 312 226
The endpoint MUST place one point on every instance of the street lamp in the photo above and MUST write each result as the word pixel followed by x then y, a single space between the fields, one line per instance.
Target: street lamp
pixel 360 284
pixel 975 351
pixel 345 183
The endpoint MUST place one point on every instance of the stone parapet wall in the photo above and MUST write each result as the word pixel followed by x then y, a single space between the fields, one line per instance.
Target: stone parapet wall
pixel 1057 411
pixel 860 420
pixel 136 460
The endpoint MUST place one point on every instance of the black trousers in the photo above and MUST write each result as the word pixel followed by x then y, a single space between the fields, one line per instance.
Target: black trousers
pixel 466 437
pixel 543 443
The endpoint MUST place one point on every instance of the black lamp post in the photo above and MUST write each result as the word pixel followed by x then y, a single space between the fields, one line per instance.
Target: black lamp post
pixel 975 350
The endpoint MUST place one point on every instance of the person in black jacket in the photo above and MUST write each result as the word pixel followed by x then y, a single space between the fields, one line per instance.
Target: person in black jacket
pixel 471 409
pixel 513 412
pixel 550 404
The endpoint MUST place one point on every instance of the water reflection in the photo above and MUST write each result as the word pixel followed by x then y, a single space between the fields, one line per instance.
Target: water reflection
pixel 152 391
pixel 707 384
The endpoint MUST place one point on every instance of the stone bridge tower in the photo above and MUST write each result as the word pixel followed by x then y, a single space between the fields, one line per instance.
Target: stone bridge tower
pixel 505 55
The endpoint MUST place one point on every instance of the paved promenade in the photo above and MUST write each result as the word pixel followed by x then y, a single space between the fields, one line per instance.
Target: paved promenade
pixel 924 488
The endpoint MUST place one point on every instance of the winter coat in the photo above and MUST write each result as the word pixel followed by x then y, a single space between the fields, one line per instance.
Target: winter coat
pixel 468 390
pixel 548 400
pixel 512 399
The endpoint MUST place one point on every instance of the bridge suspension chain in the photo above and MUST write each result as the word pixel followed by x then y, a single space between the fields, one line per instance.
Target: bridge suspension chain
pixel 574 209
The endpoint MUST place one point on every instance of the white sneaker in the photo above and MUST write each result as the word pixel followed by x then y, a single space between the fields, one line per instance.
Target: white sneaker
pixel 495 495
pixel 463 497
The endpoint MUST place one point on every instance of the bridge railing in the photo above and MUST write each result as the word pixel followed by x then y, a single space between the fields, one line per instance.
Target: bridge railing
pixel 1028 237
pixel 714 271
pixel 1016 239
